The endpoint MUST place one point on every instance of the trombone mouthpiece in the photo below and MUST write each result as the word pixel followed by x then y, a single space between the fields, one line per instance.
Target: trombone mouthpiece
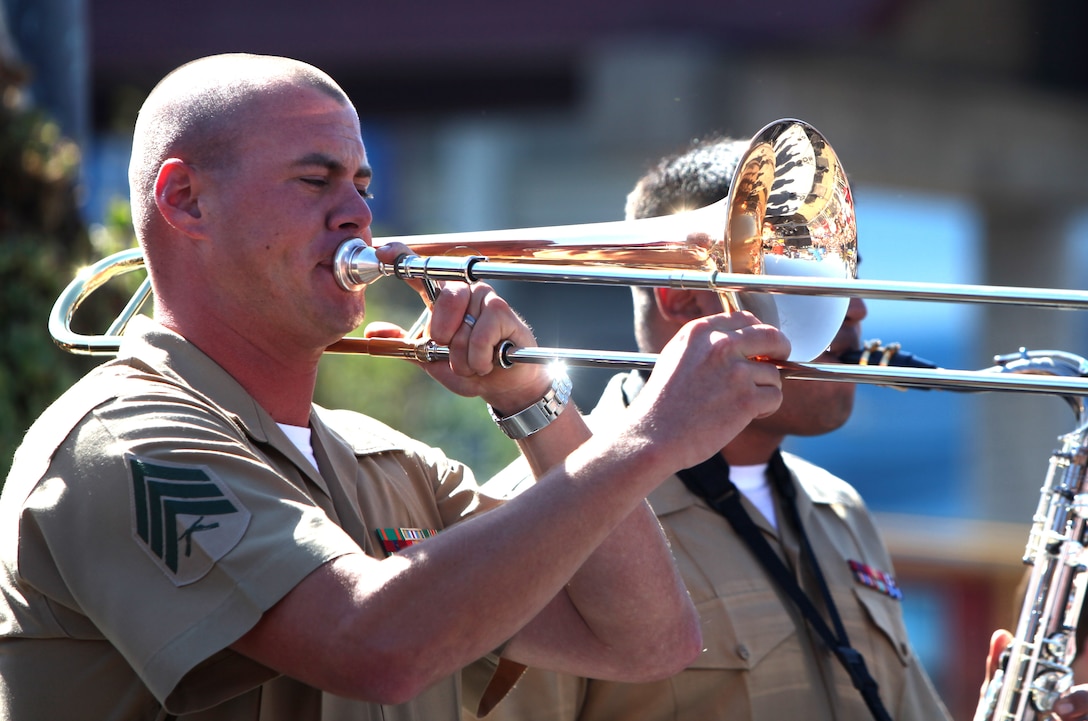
pixel 355 265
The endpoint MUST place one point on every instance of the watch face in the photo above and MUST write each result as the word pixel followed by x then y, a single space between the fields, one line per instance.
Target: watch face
pixel 526 422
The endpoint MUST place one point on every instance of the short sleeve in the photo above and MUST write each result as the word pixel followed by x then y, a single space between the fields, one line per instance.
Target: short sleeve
pixel 169 537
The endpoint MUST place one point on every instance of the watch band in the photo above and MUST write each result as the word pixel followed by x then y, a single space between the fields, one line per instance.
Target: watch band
pixel 526 422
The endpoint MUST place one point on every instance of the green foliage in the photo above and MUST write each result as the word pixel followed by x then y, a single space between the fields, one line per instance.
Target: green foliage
pixel 402 395
pixel 42 242
pixel 34 370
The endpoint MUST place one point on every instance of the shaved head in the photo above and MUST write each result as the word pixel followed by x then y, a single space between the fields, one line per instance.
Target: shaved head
pixel 198 112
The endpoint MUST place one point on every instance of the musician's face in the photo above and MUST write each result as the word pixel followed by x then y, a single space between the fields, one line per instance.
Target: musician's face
pixel 295 193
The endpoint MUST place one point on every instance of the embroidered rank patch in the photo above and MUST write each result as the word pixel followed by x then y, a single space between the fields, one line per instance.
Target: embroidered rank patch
pixel 875 579
pixel 185 517
pixel 394 539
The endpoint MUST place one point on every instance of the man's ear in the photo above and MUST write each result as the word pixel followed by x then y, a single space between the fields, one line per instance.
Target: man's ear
pixel 177 196
pixel 680 305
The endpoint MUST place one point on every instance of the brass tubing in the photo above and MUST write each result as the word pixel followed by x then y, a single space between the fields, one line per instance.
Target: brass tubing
pixel 996 378
pixel 357 260
pixel 425 351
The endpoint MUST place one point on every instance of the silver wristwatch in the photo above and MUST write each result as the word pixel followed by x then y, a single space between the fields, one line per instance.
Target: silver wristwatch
pixel 537 416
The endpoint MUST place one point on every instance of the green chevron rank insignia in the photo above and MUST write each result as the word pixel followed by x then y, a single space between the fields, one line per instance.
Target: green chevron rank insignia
pixel 185 517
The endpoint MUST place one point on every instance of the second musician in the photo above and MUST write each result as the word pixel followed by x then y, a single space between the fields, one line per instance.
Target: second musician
pixel 762 656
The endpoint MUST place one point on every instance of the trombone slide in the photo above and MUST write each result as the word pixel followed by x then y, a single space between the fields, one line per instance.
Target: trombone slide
pixel 1001 377
pixel 356 265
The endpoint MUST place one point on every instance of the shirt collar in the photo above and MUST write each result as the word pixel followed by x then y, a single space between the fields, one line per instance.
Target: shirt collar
pixel 176 359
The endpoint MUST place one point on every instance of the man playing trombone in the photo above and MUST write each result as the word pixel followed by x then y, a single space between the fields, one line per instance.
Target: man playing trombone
pixel 185 534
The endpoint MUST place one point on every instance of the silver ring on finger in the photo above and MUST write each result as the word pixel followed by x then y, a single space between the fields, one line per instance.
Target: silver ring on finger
pixel 469 320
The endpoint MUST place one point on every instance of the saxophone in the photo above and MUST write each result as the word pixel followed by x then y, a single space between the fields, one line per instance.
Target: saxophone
pixel 1034 669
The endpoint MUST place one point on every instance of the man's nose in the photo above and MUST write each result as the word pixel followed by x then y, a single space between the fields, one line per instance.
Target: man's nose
pixel 353 213
pixel 856 311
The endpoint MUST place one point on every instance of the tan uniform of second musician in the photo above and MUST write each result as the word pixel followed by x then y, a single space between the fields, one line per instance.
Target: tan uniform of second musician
pixel 760 661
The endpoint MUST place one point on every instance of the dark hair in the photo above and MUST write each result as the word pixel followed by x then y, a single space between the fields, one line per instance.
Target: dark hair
pixel 688 180
pixel 691 179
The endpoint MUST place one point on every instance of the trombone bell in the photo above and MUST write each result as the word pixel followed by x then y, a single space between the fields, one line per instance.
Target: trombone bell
pixel 791 214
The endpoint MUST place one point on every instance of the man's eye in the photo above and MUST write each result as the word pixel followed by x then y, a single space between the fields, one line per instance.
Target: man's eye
pixel 366 194
pixel 317 182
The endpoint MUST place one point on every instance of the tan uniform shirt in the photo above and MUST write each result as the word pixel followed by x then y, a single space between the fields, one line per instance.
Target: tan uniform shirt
pixel 760 661
pixel 156 511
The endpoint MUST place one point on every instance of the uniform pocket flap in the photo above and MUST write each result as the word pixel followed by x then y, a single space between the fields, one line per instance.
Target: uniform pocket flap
pixel 739 632
pixel 886 614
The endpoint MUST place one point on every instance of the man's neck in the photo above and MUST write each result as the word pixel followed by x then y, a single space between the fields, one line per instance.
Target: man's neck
pixel 281 382
pixel 751 448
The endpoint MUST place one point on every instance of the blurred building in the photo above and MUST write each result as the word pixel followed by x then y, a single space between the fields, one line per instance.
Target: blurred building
pixel 961 123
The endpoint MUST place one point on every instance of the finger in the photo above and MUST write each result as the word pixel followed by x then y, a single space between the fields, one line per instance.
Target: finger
pixel 490 316
pixel 488 321
pixel 383 329
pixel 732 320
pixel 999 641
pixel 749 336
pixel 762 341
pixel 470 344
pixel 448 312
pixel 768 400
pixel 1073 705
pixel 388 254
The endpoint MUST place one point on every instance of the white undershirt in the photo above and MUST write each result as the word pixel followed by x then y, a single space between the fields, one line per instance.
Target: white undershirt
pixel 300 436
pixel 752 482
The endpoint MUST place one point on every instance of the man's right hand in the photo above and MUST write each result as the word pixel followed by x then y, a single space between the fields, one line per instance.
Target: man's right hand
pixel 709 383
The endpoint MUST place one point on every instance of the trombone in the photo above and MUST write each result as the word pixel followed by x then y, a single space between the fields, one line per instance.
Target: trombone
pixel 782 244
